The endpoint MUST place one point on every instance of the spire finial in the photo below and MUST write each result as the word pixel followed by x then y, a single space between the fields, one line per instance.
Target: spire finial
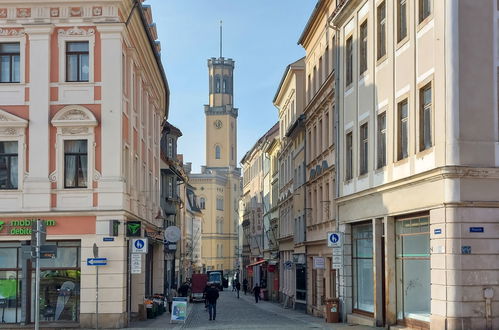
pixel 220 38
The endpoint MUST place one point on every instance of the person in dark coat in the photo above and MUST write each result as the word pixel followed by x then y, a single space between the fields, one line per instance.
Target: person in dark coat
pixel 245 286
pixel 212 296
pixel 183 291
pixel 256 292
pixel 238 288
pixel 204 294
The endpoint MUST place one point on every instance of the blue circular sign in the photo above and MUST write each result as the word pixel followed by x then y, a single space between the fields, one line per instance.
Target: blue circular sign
pixel 334 238
pixel 139 244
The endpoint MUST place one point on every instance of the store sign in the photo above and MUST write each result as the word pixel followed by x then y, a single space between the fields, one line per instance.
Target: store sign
pixel 319 263
pixel 21 227
pixel 133 229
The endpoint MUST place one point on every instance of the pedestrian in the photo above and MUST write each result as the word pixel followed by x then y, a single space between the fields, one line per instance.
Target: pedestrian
pixel 173 293
pixel 238 288
pixel 208 284
pixel 245 286
pixel 233 285
pixel 212 296
pixel 256 292
pixel 183 291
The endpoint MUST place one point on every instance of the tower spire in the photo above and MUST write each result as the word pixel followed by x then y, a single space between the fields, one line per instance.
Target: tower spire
pixel 220 38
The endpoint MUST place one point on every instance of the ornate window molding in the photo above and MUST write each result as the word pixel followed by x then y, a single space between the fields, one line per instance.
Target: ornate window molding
pixel 13 128
pixel 16 35
pixel 74 122
pixel 76 34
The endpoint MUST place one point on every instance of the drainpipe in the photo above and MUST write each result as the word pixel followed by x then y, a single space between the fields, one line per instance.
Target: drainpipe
pixel 336 146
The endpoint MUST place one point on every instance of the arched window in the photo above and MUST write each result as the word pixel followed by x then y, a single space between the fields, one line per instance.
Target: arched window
pixel 217 152
pixel 217 84
pixel 202 203
pixel 225 86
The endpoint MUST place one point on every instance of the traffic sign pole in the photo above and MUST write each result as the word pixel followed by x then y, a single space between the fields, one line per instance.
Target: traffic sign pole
pixel 96 255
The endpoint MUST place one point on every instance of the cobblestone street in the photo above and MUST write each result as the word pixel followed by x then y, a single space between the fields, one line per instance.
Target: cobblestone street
pixel 243 313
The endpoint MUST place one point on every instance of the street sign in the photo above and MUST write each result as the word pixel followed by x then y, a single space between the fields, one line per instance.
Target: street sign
pixel 108 239
pixel 136 263
pixel 337 259
pixel 334 239
pixel 319 263
pixel 172 234
pixel 139 245
pixel 48 251
pixel 337 251
pixel 96 261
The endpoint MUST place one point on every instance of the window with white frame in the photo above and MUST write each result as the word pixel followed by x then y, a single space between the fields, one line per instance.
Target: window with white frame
pixel 75 163
pixel 425 118
pixel 363 48
pixel 202 203
pixel 8 165
pixel 401 20
pixel 10 57
pixel 217 152
pixel 381 139
pixel 77 61
pixel 349 62
pixel 220 203
pixel 381 40
pixel 363 149
pixel 403 130
pixel 349 157
pixel 424 9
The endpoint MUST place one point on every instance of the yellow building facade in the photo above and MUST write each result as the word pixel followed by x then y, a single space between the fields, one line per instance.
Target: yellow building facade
pixel 218 186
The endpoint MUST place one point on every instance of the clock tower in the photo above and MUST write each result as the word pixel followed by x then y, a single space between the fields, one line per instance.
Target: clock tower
pixel 221 116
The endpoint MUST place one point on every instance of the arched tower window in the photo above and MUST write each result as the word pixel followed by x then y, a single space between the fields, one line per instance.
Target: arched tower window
pixel 217 152
pixel 202 203
pixel 217 84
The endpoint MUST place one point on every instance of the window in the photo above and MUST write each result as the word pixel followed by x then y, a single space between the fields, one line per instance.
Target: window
pixel 315 78
pixel 424 9
pixel 362 267
pixel 217 84
pixel 224 85
pixel 9 63
pixel 363 48
pixel 425 105
pixel 170 147
pixel 202 203
pixel 364 149
pixel 75 163
pixel 403 129
pixel 381 12
pixel 381 137
pixel 412 251
pixel 217 152
pixel 349 156
pixel 309 79
pixel 401 20
pixel 321 72
pixel 77 67
pixel 349 62
pixel 326 60
pixel 220 203
pixel 8 165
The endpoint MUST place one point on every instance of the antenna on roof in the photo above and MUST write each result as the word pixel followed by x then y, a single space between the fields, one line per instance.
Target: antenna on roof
pixel 220 39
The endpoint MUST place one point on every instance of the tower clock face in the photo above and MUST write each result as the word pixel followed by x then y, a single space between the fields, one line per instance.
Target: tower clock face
pixel 218 124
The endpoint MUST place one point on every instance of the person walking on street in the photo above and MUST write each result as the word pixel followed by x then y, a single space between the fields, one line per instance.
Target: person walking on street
pixel 212 296
pixel 245 286
pixel 238 288
pixel 256 292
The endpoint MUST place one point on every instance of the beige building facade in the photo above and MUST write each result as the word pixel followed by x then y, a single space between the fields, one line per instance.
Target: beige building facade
pixel 318 40
pixel 290 102
pixel 218 186
pixel 417 169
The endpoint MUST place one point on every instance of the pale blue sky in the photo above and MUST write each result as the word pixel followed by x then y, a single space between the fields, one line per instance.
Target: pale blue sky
pixel 260 35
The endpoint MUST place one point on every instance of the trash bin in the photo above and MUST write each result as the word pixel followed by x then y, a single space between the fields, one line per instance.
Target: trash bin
pixel 332 310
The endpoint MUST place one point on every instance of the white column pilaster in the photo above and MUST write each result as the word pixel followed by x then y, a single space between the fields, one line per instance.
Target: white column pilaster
pixel 37 185
pixel 111 184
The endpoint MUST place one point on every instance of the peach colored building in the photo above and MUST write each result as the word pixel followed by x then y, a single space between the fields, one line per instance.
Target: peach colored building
pixel 82 97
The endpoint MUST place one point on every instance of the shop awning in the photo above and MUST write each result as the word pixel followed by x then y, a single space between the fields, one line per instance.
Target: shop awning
pixel 256 263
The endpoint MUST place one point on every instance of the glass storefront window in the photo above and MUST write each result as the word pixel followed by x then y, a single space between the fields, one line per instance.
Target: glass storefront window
pixel 301 282
pixel 10 301
pixel 8 257
pixel 413 269
pixel 59 295
pixel 362 267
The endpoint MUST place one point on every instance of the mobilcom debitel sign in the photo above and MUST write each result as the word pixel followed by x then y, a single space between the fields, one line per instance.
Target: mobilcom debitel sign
pixel 21 227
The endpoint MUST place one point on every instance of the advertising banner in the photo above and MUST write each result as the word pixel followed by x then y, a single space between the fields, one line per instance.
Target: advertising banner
pixel 179 309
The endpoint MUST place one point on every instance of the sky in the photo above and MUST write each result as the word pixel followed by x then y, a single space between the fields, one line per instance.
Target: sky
pixel 260 35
